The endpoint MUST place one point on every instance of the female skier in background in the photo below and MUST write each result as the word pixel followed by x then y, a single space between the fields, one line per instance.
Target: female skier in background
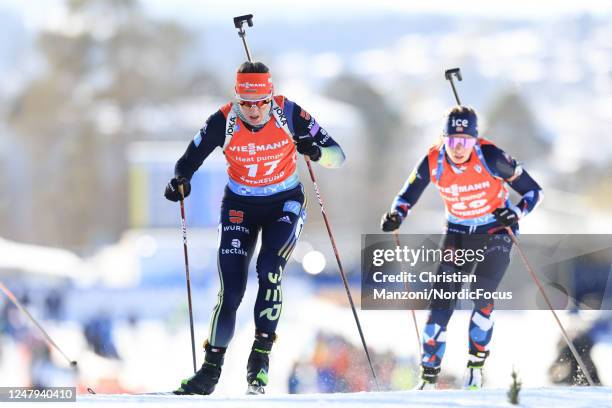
pixel 472 176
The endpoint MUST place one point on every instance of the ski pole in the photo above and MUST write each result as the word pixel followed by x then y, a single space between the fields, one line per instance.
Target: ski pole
pixel 184 229
pixel 570 343
pixel 238 22
pixel 341 269
pixel 46 337
pixel 414 319
pixel 448 74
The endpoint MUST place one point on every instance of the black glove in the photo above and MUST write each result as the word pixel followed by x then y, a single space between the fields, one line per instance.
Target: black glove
pixel 172 193
pixel 308 147
pixel 390 221
pixel 506 216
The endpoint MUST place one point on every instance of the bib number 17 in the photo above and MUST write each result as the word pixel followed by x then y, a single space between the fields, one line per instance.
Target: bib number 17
pixel 271 165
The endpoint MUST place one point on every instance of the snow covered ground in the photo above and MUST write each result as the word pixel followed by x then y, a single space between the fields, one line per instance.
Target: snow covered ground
pixel 559 397
pixel 156 355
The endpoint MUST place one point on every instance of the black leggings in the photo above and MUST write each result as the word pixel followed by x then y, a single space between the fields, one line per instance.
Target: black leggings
pixel 280 218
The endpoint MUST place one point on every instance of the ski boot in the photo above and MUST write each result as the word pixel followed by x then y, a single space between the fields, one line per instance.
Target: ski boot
pixel 473 378
pixel 204 381
pixel 259 362
pixel 429 378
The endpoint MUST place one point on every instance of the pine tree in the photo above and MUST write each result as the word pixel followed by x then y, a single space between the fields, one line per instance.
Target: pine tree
pixel 515 389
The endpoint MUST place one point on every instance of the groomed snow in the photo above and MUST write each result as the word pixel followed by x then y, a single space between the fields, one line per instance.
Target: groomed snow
pixel 557 397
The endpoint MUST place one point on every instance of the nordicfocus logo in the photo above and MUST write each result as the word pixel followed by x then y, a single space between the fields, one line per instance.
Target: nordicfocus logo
pixel 253 148
pixel 455 189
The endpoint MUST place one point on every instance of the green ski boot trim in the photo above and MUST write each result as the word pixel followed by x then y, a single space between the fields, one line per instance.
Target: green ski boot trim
pixel 262 377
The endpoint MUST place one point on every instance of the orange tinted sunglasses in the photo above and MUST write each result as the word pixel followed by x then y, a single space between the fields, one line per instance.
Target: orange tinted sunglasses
pixel 259 104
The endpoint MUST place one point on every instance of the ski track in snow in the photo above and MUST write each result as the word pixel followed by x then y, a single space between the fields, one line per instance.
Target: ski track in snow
pixel 558 397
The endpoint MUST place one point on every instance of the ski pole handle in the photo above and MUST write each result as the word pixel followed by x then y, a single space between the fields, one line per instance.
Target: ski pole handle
pixel 448 74
pixel 240 20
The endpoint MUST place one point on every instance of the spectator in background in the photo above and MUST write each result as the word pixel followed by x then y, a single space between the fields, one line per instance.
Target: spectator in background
pixel 54 305
pixel 338 366
pixel 99 336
